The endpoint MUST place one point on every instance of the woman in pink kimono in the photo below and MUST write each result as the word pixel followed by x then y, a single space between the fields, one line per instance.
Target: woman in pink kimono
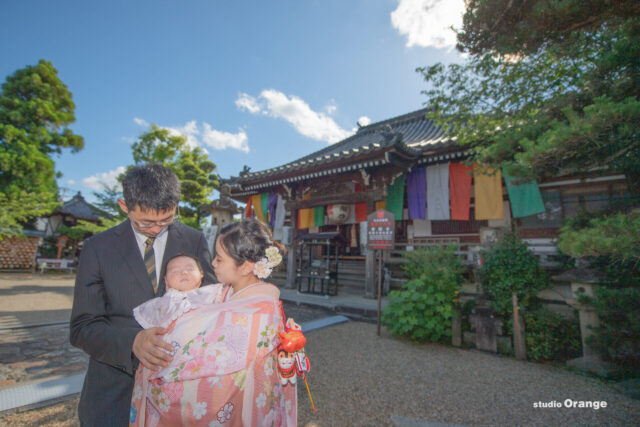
pixel 224 368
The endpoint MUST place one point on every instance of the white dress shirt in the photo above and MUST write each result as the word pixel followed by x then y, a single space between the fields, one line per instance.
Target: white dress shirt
pixel 159 244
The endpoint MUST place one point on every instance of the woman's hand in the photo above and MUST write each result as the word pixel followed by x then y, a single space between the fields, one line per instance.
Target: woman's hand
pixel 149 348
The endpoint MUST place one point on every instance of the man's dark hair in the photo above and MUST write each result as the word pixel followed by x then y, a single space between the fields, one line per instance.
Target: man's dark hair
pixel 151 187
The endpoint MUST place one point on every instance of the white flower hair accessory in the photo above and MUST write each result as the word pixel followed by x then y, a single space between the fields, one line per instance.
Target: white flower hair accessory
pixel 263 268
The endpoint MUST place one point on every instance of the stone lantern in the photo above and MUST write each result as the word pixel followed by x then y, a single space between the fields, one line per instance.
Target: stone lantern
pixel 583 283
pixel 223 209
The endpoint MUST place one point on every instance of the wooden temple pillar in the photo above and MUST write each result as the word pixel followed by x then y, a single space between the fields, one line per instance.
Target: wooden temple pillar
pixel 292 250
pixel 370 263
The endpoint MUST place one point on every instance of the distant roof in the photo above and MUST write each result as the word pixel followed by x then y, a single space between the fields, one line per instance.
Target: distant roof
pixel 418 134
pixel 79 208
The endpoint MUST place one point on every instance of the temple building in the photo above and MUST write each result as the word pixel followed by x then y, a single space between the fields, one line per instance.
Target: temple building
pixel 407 166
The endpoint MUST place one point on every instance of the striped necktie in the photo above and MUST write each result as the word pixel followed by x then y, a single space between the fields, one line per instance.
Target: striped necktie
pixel 150 263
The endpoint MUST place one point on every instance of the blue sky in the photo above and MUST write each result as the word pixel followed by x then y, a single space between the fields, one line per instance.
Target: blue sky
pixel 257 83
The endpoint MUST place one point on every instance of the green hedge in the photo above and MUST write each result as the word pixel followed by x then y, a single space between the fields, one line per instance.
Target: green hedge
pixel 423 308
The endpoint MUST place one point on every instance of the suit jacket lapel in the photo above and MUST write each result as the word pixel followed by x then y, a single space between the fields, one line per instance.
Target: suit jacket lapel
pixel 130 253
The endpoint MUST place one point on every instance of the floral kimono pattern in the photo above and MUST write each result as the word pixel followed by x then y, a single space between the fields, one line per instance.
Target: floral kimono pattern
pixel 223 373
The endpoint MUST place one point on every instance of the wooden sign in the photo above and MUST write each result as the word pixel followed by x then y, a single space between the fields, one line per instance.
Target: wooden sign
pixel 381 230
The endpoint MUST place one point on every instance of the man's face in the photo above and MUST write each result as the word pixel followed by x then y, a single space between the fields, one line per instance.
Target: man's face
pixel 148 222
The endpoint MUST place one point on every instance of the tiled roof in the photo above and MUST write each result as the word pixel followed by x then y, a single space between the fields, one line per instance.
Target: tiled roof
pixel 418 134
pixel 80 209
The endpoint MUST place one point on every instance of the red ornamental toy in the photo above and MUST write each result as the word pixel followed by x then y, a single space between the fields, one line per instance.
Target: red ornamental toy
pixel 292 360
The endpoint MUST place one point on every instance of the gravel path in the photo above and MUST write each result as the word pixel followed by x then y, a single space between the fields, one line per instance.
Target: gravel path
pixel 359 379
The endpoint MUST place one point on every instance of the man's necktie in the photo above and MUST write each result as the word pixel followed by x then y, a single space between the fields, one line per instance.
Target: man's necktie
pixel 150 263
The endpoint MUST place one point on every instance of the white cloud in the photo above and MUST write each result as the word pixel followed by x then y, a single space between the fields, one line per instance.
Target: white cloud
pixel 248 103
pixel 427 22
pixel 221 140
pixel 312 124
pixel 97 181
pixel 141 122
pixel 203 134
pixel 70 182
pixel 188 130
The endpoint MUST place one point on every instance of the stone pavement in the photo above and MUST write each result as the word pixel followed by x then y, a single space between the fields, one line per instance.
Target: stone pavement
pixel 33 298
pixel 37 353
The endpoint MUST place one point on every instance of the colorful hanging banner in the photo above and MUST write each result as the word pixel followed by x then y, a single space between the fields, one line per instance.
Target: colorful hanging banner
pixel 460 190
pixel 273 202
pixel 361 208
pixel 305 216
pixel 487 193
pixel 395 197
pixel 264 204
pixel 248 213
pixel 525 196
pixel 438 192
pixel 279 219
pixel 318 216
pixel 417 193
pixel 256 201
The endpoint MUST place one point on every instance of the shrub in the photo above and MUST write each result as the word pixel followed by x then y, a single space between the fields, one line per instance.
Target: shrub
pixel 509 267
pixel 549 336
pixel 611 244
pixel 423 308
pixel 618 336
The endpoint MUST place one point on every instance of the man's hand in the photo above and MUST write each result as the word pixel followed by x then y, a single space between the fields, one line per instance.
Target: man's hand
pixel 148 345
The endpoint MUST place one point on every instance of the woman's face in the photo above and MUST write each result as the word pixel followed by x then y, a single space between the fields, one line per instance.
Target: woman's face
pixel 224 266
pixel 183 274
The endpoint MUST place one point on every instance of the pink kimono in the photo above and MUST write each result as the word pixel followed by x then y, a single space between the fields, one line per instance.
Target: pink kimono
pixel 223 373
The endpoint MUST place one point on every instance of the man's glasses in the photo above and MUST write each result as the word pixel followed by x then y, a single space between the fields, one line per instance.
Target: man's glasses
pixel 145 225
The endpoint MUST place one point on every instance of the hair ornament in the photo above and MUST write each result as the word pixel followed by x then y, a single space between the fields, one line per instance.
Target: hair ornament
pixel 263 268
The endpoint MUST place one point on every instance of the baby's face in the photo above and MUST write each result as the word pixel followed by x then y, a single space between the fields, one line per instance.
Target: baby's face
pixel 183 274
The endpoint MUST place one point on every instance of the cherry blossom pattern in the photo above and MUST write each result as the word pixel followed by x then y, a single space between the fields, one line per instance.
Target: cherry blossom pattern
pixel 199 409
pixel 261 400
pixel 224 414
pixel 214 381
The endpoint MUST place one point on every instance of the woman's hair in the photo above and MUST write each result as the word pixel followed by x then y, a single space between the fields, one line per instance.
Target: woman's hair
pixel 247 240
pixel 180 255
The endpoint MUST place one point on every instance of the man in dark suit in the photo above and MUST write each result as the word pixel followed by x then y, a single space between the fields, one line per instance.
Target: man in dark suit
pixel 120 269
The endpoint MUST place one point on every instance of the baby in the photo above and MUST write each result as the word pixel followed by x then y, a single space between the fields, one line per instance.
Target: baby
pixel 183 277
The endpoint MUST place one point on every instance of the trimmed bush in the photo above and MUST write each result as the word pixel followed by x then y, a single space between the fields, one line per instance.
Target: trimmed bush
pixel 423 308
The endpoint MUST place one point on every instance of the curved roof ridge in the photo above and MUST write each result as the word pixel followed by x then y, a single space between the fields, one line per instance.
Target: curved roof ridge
pixel 367 137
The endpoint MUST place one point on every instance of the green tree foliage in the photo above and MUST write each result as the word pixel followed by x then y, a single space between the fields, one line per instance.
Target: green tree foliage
pixel 523 26
pixel 617 337
pixel 35 111
pixel 192 166
pixel 612 245
pixel 614 236
pixel 423 309
pixel 510 267
pixel 549 87
pixel 15 212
